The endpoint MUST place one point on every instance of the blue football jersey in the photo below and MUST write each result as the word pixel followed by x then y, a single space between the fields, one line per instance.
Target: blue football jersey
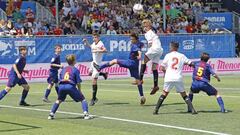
pixel 202 71
pixel 70 75
pixel 55 60
pixel 20 63
pixel 134 50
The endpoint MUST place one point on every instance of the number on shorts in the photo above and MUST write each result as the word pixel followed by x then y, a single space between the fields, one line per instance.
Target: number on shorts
pixel 200 71
pixel 66 76
pixel 175 62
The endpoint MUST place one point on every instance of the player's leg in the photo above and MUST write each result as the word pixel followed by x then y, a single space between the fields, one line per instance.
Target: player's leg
pixel 47 92
pixel 77 96
pixel 155 77
pixel 211 91
pixel 180 89
pixel 12 81
pixel 104 74
pixel 61 97
pixel 22 82
pixel 94 90
pixel 144 65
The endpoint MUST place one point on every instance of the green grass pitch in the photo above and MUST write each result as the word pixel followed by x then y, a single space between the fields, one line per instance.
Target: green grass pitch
pixel 118 111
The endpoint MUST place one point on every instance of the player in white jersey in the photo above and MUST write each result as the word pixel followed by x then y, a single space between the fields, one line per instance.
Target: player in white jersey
pixel 154 53
pixel 98 49
pixel 172 66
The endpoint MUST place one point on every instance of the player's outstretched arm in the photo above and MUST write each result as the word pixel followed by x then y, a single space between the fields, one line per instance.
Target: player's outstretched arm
pixel 57 65
pixel 85 41
pixel 139 57
pixel 217 77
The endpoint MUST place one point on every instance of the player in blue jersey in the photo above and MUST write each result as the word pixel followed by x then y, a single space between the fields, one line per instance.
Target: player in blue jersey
pixel 201 78
pixel 15 77
pixel 53 72
pixel 69 84
pixel 132 64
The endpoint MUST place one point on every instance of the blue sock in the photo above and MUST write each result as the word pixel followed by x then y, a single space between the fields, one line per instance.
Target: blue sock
pixel 47 92
pixel 2 94
pixel 190 97
pixel 56 88
pixel 84 106
pixel 24 95
pixel 220 102
pixel 140 89
pixel 54 108
pixel 104 66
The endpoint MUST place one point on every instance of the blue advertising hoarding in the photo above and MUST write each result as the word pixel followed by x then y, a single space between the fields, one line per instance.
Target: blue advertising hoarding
pixel 41 49
pixel 218 20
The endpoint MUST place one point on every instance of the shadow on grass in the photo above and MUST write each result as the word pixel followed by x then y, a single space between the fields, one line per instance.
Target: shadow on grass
pixel 117 103
pixel 25 126
pixel 166 104
pixel 213 111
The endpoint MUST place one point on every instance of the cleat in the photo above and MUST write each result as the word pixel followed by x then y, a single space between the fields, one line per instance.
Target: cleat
pixel 51 116
pixel 46 100
pixel 93 102
pixel 154 90
pixel 105 76
pixel 23 103
pixel 86 116
pixel 155 112
pixel 96 66
pixel 142 100
pixel 135 82
pixel 224 111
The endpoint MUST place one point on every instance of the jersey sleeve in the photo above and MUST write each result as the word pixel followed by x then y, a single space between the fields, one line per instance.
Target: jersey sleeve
pixel 77 77
pixel 211 70
pixel 165 61
pixel 186 60
pixel 101 45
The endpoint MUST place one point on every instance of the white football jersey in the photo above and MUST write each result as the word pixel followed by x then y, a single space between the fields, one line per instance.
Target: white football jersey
pixel 173 63
pixel 97 57
pixel 153 40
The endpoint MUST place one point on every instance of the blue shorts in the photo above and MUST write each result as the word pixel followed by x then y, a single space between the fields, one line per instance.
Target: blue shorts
pixel 71 90
pixel 132 65
pixel 53 77
pixel 198 86
pixel 13 80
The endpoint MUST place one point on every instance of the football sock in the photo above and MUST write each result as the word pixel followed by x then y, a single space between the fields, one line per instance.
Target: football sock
pixel 94 93
pixel 220 102
pixel 142 70
pixel 84 106
pixel 54 108
pixel 57 88
pixel 190 97
pixel 24 95
pixel 160 101
pixel 2 94
pixel 47 92
pixel 102 74
pixel 155 78
pixel 140 89
pixel 189 103
pixel 104 66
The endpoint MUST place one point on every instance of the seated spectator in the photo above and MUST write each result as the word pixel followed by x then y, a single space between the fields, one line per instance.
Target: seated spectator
pixel 17 15
pixel 30 15
pixel 111 31
pixel 205 27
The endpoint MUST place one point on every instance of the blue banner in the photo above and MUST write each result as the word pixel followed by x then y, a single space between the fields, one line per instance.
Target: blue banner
pixel 218 20
pixel 41 49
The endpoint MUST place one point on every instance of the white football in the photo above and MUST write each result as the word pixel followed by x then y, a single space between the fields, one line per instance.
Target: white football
pixel 137 8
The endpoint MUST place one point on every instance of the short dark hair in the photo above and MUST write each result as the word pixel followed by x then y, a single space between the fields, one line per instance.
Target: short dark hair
pixel 205 57
pixel 174 44
pixel 22 48
pixel 134 35
pixel 96 34
pixel 58 45
pixel 71 58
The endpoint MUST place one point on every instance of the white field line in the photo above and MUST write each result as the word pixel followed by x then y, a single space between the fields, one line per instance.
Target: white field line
pixel 120 119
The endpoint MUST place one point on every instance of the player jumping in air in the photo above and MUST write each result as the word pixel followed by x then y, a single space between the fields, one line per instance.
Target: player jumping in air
pixel 15 77
pixel 201 78
pixel 172 66
pixel 53 74
pixel 132 64
pixel 69 79
pixel 154 53
pixel 98 49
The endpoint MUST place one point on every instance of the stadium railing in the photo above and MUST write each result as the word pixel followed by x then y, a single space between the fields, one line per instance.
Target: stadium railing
pixel 43 13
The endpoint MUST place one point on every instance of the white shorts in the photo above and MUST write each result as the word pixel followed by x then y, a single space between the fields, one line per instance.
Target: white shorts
pixel 154 55
pixel 93 71
pixel 169 85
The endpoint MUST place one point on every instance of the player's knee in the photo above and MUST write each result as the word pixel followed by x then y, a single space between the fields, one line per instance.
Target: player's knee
pixel 26 87
pixel 58 102
pixel 8 89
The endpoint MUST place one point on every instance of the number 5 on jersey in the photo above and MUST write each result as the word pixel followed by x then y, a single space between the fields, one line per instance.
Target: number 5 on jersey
pixel 200 71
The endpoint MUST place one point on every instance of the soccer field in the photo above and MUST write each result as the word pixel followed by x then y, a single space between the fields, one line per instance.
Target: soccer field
pixel 118 111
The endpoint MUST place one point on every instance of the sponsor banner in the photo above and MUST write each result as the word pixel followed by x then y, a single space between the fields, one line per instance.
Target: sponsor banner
pixel 41 49
pixel 39 72
pixel 218 20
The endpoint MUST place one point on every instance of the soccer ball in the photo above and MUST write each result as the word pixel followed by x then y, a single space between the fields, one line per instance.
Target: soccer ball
pixel 138 8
